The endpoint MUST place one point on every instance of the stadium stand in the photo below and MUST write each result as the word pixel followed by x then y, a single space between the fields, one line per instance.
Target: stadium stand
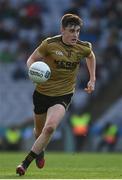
pixel 23 24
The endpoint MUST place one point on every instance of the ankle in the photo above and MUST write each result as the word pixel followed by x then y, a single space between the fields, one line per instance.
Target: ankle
pixel 29 158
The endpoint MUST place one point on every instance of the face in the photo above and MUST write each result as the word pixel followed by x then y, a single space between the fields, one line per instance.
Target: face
pixel 70 34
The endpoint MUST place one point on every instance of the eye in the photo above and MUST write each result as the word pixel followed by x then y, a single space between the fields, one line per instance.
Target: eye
pixel 71 30
pixel 78 30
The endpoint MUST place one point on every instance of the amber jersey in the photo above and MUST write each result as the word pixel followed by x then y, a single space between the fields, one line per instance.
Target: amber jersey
pixel 63 61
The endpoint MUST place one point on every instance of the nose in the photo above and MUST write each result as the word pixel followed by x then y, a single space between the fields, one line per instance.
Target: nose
pixel 75 34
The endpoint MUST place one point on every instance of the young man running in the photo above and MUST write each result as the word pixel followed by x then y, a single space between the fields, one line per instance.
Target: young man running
pixel 63 54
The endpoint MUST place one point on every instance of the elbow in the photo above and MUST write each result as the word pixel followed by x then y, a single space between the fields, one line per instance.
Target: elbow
pixel 28 63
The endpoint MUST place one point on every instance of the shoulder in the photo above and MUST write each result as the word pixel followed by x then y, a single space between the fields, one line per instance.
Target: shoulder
pixel 53 39
pixel 85 47
pixel 84 44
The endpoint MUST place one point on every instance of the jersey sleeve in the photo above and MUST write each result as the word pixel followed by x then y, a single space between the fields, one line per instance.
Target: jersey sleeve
pixel 42 48
pixel 88 49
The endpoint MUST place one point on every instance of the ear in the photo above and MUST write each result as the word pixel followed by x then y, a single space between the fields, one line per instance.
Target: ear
pixel 62 30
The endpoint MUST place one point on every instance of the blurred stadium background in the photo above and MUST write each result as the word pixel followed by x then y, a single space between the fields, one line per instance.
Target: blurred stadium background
pixel 93 122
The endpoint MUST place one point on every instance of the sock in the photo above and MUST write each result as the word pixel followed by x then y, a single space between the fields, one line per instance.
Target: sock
pixel 40 155
pixel 29 158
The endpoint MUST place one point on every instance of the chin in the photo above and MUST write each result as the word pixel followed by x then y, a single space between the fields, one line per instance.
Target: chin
pixel 73 43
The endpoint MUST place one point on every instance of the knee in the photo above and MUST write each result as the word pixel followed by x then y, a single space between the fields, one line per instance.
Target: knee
pixel 36 133
pixel 49 130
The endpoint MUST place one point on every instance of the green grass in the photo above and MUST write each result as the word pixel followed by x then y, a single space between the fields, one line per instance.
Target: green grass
pixel 65 166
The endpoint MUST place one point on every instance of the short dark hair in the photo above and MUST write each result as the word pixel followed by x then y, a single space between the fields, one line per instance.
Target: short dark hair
pixel 71 19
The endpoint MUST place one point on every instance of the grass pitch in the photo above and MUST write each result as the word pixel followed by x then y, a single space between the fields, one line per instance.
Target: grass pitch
pixel 65 166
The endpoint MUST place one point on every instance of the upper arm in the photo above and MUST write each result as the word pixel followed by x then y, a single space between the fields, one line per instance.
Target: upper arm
pixel 43 48
pixel 35 56
pixel 38 54
pixel 40 51
pixel 87 49
pixel 91 55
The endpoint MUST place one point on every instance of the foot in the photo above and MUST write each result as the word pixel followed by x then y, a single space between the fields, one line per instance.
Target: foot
pixel 40 161
pixel 20 170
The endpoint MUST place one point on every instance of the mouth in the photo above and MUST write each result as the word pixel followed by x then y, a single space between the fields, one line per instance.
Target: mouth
pixel 74 40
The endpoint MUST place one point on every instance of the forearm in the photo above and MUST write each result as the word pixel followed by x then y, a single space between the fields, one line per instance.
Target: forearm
pixel 91 64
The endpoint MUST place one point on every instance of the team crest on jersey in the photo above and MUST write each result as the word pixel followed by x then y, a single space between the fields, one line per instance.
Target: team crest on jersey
pixel 69 52
pixel 59 53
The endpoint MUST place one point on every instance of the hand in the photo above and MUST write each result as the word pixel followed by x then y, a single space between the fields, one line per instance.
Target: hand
pixel 90 87
pixel 35 84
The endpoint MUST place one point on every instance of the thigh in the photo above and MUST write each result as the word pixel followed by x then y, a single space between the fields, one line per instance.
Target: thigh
pixel 54 115
pixel 39 122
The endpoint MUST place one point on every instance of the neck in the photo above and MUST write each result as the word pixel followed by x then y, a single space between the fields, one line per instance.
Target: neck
pixel 64 42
